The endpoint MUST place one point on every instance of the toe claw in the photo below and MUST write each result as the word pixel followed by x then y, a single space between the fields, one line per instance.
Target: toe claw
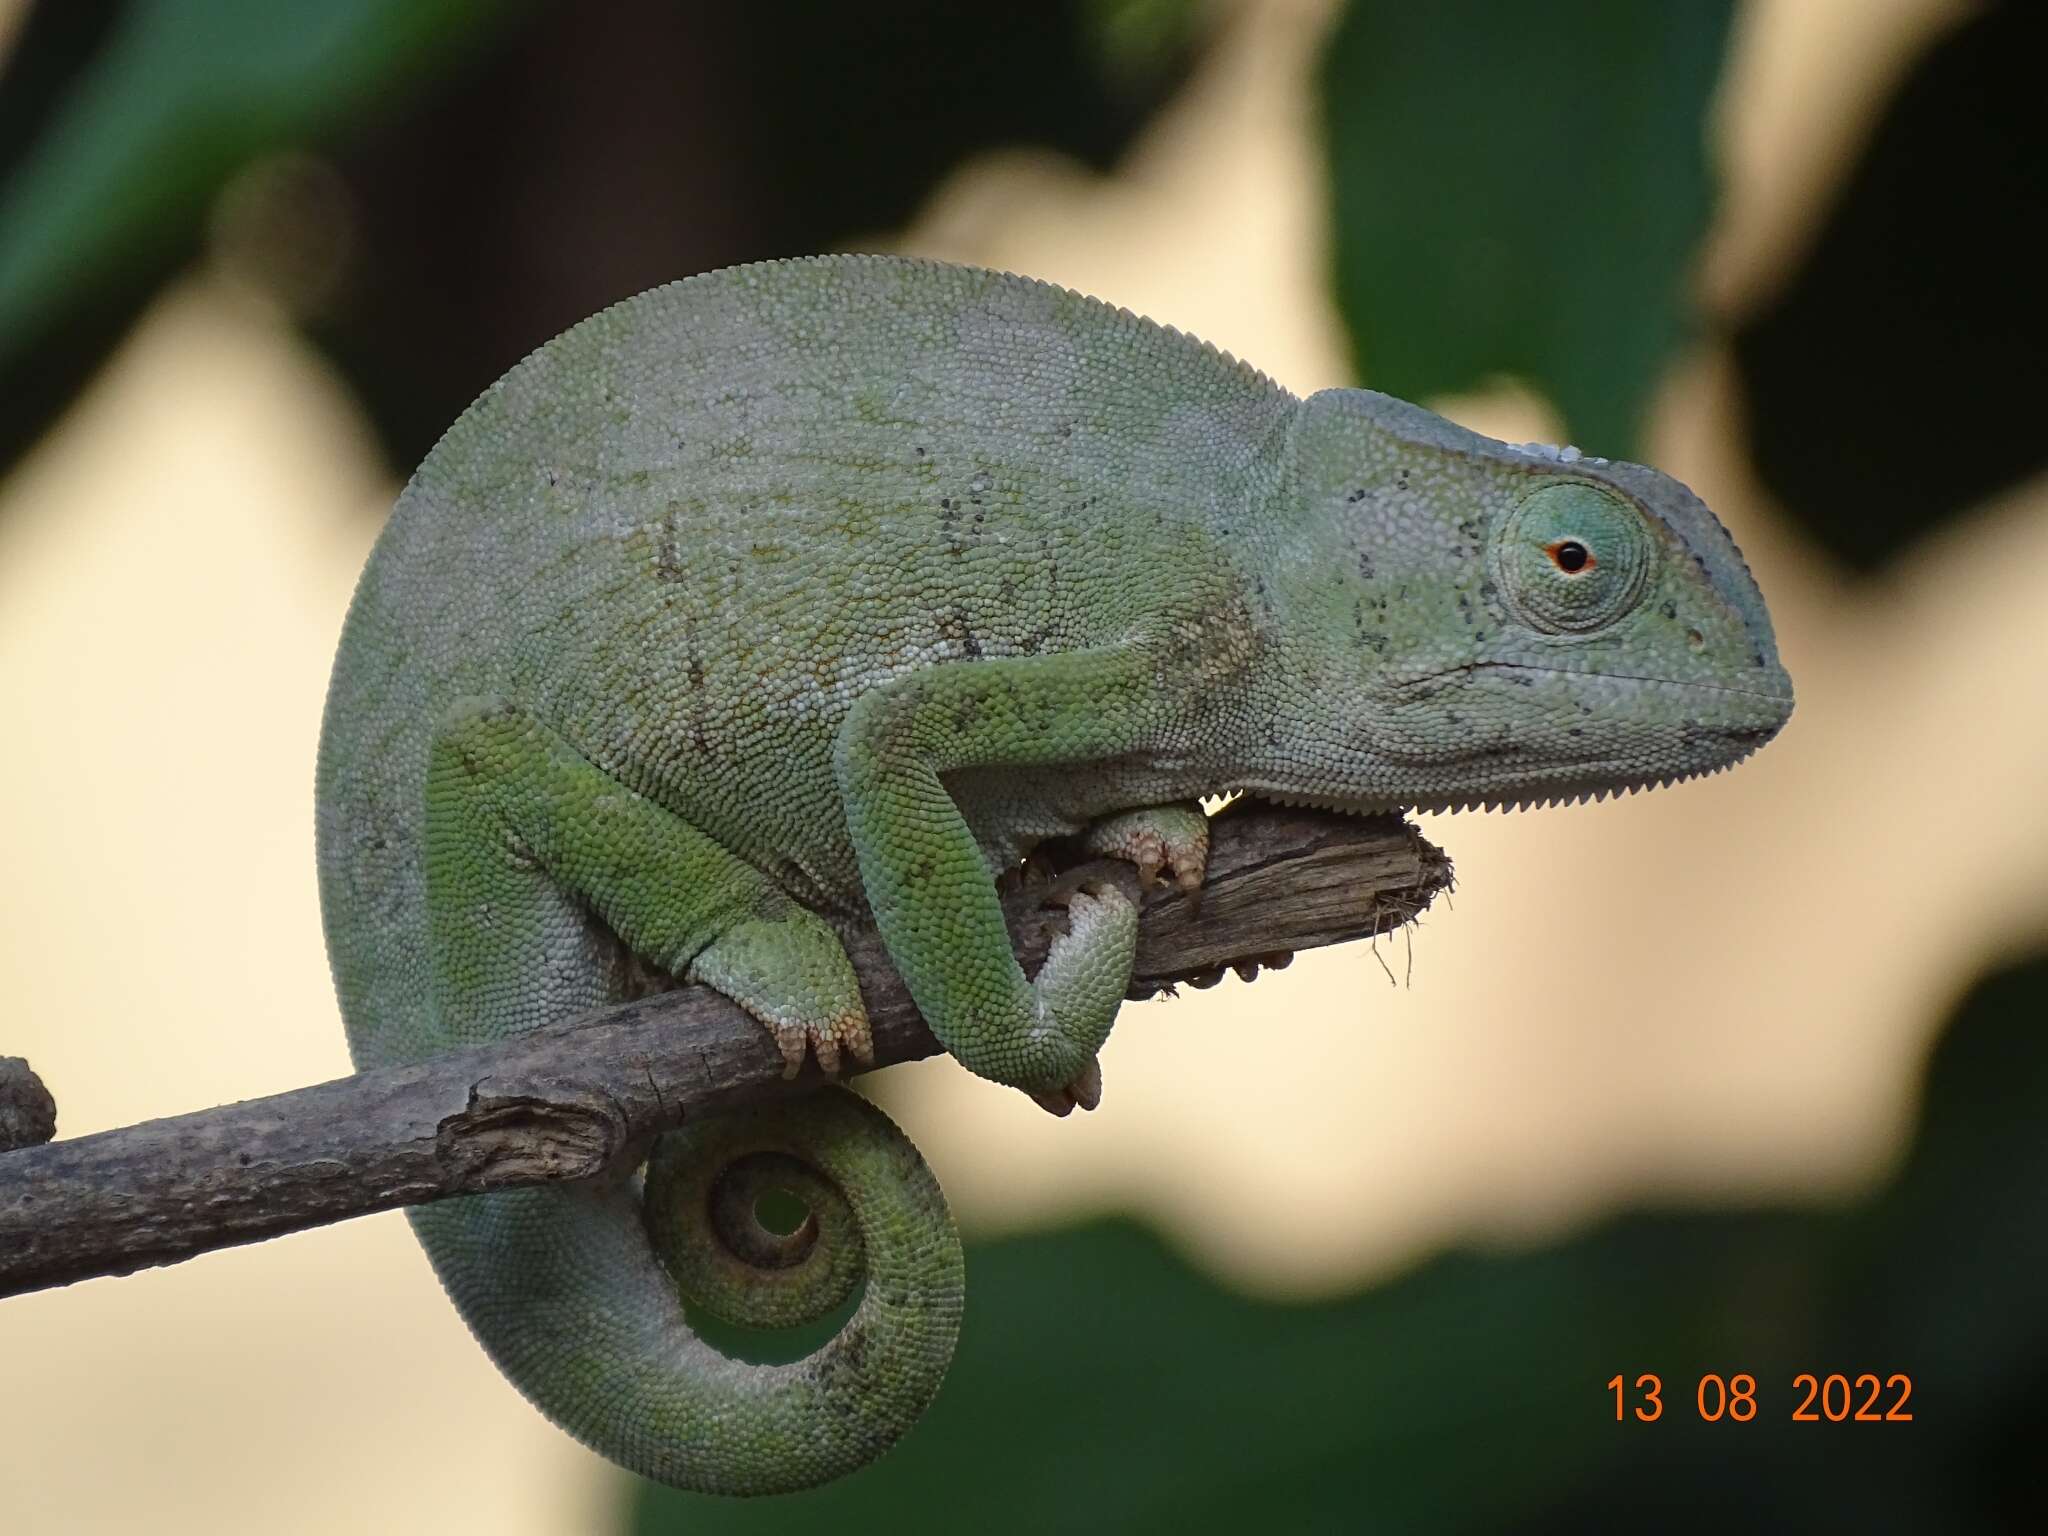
pixel 1086 1088
pixel 1054 1101
pixel 859 1041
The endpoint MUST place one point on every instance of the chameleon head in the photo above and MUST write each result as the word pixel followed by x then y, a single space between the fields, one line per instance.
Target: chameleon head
pixel 1521 624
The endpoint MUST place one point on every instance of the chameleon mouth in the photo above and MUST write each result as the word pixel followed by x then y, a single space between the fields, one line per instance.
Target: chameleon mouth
pixel 1571 791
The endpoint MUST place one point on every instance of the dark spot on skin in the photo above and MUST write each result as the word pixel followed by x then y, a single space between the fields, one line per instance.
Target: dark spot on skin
pixel 920 452
pixel 1356 496
pixel 696 672
pixel 1064 429
pixel 1365 565
pixel 1760 659
pixel 1451 717
pixel 1469 528
pixel 1376 642
pixel 668 547
pixel 958 627
pixel 1575 733
pixel 1521 679
pixel 1670 610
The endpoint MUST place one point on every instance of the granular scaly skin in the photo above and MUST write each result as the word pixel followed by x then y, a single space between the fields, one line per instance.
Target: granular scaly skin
pixel 814 593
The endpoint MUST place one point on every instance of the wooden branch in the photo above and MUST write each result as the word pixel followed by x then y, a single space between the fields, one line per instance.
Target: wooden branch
pixel 571 1100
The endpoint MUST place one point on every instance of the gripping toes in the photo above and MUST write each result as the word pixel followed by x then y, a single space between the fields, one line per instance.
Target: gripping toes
pixel 790 972
pixel 1173 838
pixel 1080 987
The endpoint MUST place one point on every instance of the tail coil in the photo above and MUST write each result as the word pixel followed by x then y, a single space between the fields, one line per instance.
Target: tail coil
pixel 578 1295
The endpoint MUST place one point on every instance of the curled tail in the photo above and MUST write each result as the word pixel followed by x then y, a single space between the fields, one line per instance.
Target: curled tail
pixel 576 1291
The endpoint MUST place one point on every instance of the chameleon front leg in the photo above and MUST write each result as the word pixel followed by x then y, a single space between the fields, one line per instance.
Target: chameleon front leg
pixel 931 892
pixel 576 1289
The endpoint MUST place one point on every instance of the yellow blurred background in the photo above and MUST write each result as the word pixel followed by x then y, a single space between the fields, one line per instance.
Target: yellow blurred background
pixel 1773 945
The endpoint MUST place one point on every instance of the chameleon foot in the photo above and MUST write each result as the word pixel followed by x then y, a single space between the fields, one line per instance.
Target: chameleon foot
pixel 1081 985
pixel 790 972
pixel 1173 838
pixel 1083 1091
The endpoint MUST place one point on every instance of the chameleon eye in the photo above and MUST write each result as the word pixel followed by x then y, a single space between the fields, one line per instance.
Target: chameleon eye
pixel 1572 557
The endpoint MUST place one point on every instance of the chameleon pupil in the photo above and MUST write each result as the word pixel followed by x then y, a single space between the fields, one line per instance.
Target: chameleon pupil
pixel 1571 557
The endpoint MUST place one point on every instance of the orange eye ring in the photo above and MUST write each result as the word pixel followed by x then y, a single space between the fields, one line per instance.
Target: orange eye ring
pixel 1570 556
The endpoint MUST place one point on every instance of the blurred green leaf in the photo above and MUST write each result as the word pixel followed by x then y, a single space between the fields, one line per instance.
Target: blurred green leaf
pixel 1102 1384
pixel 1518 189
pixel 183 93
pixel 1142 39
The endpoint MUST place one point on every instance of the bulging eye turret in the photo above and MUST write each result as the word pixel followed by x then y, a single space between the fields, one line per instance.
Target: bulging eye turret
pixel 1573 557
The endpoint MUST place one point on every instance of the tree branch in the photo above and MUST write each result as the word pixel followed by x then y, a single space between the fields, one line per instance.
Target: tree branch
pixel 569 1101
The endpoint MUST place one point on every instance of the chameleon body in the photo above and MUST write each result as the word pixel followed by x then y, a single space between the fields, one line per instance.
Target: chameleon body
pixel 814 593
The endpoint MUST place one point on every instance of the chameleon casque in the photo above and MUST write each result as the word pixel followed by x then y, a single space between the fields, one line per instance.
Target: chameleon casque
pixel 810 594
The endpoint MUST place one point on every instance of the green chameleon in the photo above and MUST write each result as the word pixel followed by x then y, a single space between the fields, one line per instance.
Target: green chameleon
pixel 811 594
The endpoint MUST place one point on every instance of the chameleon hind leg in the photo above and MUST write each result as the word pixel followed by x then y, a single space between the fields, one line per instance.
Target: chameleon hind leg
pixel 577 1290
pixel 516 815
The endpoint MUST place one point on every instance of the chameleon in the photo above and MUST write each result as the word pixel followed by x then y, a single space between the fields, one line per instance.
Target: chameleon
pixel 813 594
